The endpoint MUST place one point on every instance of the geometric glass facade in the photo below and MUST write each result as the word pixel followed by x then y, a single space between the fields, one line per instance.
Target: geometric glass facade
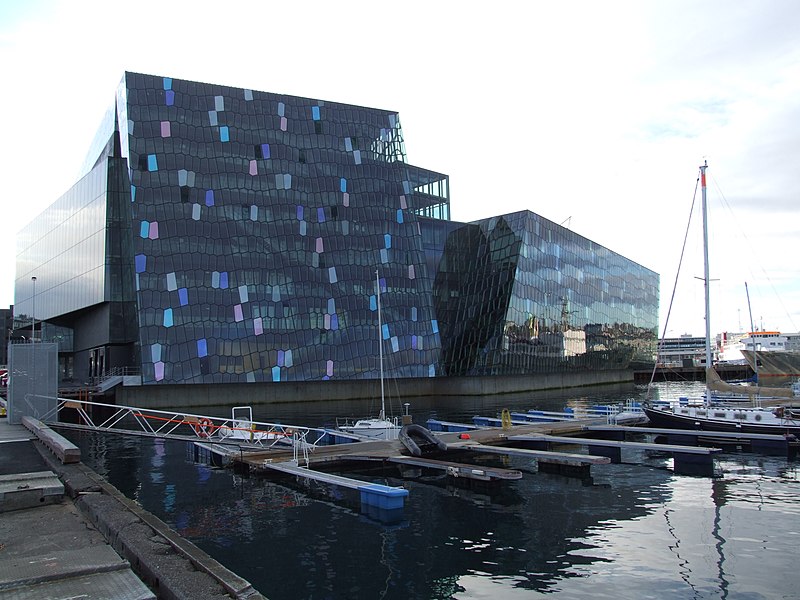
pixel 226 235
pixel 261 220
pixel 518 294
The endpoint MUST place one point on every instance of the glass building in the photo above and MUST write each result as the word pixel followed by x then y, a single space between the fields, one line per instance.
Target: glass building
pixel 222 235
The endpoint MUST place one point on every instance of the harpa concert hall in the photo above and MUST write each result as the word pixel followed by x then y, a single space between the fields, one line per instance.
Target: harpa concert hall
pixel 220 235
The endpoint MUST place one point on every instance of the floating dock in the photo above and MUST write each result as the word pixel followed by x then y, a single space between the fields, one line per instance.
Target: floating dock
pixel 763 443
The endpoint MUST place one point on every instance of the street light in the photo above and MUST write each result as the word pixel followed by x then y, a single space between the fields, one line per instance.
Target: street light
pixel 33 315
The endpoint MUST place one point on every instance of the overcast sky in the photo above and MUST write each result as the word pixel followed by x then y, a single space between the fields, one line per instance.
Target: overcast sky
pixel 592 114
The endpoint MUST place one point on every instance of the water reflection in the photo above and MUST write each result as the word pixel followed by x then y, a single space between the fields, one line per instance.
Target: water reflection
pixel 631 532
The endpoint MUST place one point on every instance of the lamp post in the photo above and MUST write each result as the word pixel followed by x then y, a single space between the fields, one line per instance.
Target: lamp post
pixel 33 315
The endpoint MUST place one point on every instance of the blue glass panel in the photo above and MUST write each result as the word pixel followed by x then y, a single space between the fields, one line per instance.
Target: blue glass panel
pixel 265 150
pixel 385 331
pixel 276 373
pixel 202 348
pixel 141 263
pixel 170 97
pixel 434 326
pixel 152 162
pixel 133 193
pixel 321 215
pixel 373 302
pixel 399 215
pixel 209 197
pixel 281 109
pixel 315 112
pixel 395 344
pixel 387 240
pixel 223 280
pixel 168 317
pixel 167 83
pixel 224 136
pixel 144 230
pixel 299 213
pixel 334 322
pixel 183 296
pixel 343 184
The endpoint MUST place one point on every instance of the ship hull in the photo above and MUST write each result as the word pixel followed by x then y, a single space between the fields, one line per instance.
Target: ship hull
pixel 671 420
pixel 775 363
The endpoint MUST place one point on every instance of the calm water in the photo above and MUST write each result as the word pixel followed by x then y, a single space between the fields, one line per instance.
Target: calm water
pixel 632 531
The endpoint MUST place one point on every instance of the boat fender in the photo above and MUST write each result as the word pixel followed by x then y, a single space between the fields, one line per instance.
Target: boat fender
pixel 463 436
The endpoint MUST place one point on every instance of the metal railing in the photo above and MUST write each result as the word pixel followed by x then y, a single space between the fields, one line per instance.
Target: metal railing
pixel 176 424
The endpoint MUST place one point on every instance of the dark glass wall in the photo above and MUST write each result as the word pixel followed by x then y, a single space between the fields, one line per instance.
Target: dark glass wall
pixel 519 294
pixel 259 223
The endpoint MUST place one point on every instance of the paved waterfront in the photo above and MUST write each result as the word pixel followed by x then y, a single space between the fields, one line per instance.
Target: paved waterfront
pixel 64 532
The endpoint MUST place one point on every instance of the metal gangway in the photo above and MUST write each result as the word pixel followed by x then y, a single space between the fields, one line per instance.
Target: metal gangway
pixel 239 429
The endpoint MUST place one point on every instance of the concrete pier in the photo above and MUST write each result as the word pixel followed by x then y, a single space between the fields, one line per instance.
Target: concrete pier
pixel 66 533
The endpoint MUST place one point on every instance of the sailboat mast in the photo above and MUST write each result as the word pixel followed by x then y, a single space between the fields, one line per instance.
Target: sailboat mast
pixel 380 344
pixel 706 276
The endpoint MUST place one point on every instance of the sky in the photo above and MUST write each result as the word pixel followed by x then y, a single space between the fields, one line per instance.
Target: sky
pixel 594 115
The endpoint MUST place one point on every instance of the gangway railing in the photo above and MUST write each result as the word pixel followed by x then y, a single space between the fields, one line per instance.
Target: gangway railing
pixel 239 429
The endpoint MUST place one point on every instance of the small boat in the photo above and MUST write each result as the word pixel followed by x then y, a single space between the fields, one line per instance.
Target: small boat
pixel 723 415
pixel 380 427
pixel 420 441
pixel 241 428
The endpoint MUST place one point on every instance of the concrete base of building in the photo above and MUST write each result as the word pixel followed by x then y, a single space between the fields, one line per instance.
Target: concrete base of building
pixel 254 394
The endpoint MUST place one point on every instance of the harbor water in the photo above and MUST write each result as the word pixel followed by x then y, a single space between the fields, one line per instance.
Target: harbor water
pixel 634 530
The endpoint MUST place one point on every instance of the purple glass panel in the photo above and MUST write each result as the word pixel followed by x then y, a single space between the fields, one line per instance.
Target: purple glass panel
pixel 166 131
pixel 183 296
pixel 237 313
pixel 141 263
pixel 170 97
pixel 223 280
pixel 153 230
pixel 159 368
pixel 209 197
pixel 258 326
pixel 253 167
pixel 329 369
pixel 265 150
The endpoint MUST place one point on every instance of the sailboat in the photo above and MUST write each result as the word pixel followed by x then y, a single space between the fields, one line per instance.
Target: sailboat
pixel 724 417
pixel 380 427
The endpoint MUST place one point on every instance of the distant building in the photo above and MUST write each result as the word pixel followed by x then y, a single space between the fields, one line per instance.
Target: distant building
pixel 683 351
pixel 225 235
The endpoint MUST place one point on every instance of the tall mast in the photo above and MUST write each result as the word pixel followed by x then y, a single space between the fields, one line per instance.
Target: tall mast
pixel 380 344
pixel 706 276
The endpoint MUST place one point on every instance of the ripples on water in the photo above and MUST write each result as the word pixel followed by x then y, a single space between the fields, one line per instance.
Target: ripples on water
pixel 633 531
